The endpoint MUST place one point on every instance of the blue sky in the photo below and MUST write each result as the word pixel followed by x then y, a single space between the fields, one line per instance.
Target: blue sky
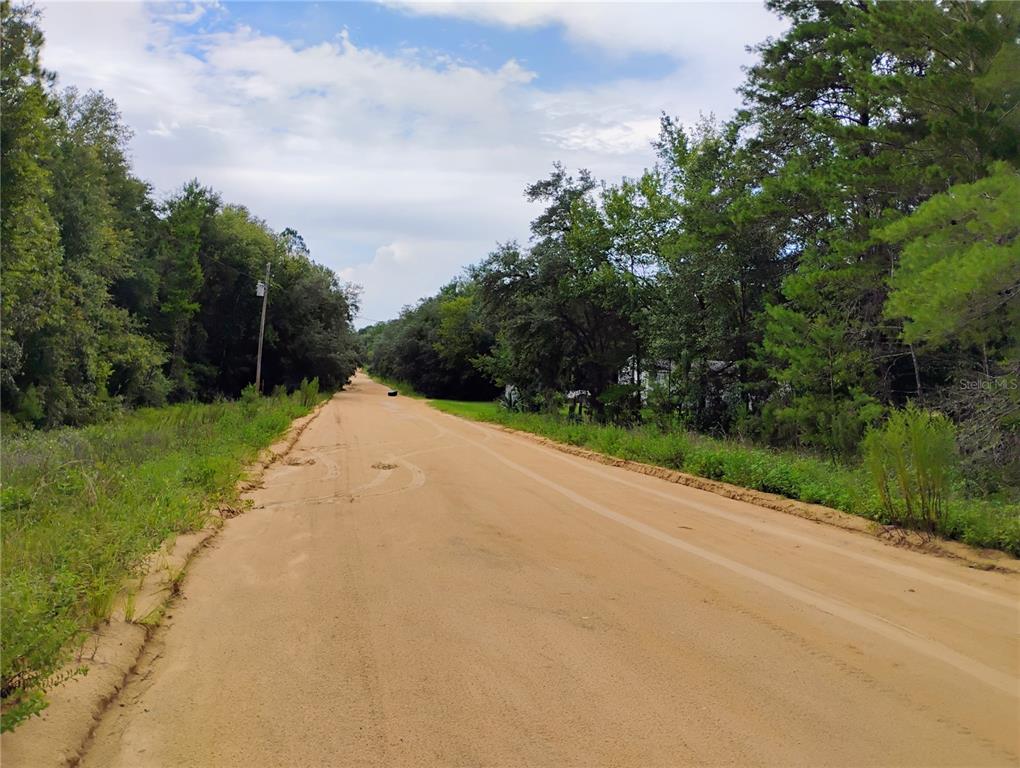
pixel 397 136
pixel 541 49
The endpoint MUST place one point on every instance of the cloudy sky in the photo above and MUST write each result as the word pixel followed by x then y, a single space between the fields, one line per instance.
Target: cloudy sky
pixel 397 137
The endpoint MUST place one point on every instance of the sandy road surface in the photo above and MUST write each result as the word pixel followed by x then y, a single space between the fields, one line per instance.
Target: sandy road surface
pixel 428 591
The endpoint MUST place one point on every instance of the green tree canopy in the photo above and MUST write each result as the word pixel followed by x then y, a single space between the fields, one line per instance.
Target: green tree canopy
pixel 958 276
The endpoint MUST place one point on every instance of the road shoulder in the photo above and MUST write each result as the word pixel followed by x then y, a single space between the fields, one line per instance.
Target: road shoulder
pixel 60 735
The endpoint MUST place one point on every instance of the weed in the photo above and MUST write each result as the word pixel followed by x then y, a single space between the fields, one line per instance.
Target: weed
pixel 174 579
pixel 129 606
pixel 309 391
pixel 911 459
pixel 153 617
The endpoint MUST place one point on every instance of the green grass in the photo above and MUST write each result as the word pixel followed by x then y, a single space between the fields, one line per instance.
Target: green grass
pixel 83 507
pixel 980 522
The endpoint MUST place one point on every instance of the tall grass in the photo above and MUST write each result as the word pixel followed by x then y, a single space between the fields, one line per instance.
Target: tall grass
pixel 911 459
pixel 83 507
pixel 991 523
pixel 308 391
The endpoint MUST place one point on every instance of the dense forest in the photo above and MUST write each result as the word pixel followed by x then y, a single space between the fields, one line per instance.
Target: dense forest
pixel 112 298
pixel 845 244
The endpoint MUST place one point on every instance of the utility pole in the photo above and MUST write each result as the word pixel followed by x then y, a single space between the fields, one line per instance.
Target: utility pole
pixel 262 289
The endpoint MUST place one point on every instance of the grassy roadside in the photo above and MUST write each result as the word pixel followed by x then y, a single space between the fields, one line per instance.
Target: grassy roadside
pixel 983 523
pixel 83 507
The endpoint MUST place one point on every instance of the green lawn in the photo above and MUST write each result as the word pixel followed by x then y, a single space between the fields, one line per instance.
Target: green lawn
pixel 981 522
pixel 83 507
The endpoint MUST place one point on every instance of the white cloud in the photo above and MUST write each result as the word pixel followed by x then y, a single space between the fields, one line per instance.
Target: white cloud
pixel 720 29
pixel 398 169
pixel 621 138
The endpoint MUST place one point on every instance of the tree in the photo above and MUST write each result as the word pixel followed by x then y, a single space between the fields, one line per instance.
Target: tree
pixel 308 328
pixel 106 223
pixel 719 261
pixel 232 253
pixel 433 346
pixel 957 287
pixel 865 110
pixel 311 331
pixel 111 300
pixel 958 276
pixel 562 305
pixel 185 224
pixel 30 252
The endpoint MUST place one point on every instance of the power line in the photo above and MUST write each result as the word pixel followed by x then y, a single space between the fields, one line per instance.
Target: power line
pixel 370 319
pixel 238 269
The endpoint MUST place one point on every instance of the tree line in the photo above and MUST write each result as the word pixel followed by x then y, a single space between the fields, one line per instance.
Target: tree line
pixel 845 243
pixel 112 298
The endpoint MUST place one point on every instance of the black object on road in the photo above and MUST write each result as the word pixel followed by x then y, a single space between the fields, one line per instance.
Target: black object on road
pixel 392 393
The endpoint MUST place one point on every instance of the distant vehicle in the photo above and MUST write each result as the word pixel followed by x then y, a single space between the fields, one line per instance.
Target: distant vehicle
pixel 392 393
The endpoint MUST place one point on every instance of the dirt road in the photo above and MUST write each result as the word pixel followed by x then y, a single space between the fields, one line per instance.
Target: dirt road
pixel 412 589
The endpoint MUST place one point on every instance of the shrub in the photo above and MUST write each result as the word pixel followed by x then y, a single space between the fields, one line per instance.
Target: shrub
pixel 31 408
pixel 665 405
pixel 622 404
pixel 781 478
pixel 707 463
pixel 308 391
pixel 249 394
pixel 911 459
